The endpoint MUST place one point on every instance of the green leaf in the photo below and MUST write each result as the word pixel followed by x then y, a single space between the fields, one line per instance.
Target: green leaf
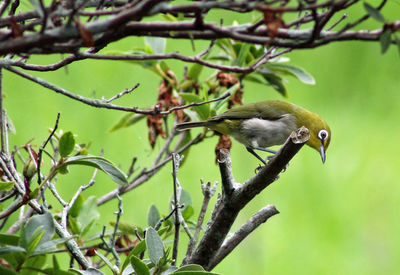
pixel 188 212
pixel 89 271
pixel 126 121
pixel 195 71
pixel 6 185
pixel 33 228
pixel 398 44
pixel 11 249
pixel 105 260
pixel 139 266
pixel 243 53
pixel 77 206
pixel 128 228
pixel 298 72
pixel 66 144
pixel 219 104
pixel 35 240
pixel 385 40
pixel 50 246
pixel 63 170
pixel 36 262
pixel 9 239
pixel 254 79
pixel 139 248
pixel 34 193
pixel 276 82
pixel 190 267
pixel 226 45
pixel 169 17
pixel 153 216
pixel 154 245
pixel 101 163
pixel 194 273
pixel 121 122
pixel 74 226
pixel 185 199
pixel 56 266
pixel 374 13
pixel 6 271
pixel 164 66
pixel 203 111
pixel 88 215
pixel 157 44
pixel 52 271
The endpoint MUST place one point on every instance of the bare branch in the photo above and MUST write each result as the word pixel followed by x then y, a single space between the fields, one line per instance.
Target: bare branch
pixel 124 92
pixel 176 159
pixel 228 210
pixel 103 103
pixel 39 158
pixel 232 242
pixel 208 192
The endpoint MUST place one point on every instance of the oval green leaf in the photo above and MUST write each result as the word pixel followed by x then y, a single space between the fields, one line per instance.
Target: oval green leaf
pixel 100 163
pixel 153 216
pixel 66 144
pixel 6 185
pixel 385 40
pixel 374 13
pixel 297 72
pixel 154 245
pixel 139 266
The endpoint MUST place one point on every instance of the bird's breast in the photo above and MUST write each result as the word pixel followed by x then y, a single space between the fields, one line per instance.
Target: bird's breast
pixel 263 132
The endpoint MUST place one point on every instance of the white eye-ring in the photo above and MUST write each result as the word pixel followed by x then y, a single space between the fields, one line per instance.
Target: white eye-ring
pixel 323 134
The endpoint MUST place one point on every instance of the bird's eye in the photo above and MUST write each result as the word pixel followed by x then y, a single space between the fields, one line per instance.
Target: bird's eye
pixel 323 134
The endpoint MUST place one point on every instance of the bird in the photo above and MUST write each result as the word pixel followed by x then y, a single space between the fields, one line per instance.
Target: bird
pixel 267 123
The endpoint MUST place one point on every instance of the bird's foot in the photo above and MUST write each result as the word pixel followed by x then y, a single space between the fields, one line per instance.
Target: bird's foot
pixel 259 167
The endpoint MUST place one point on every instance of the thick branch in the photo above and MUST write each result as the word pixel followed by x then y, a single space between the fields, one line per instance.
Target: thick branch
pixel 232 242
pixel 229 209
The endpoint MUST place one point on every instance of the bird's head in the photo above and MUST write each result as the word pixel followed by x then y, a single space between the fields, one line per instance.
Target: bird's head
pixel 320 133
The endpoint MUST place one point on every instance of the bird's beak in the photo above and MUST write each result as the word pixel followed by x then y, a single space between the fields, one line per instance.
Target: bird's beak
pixel 322 152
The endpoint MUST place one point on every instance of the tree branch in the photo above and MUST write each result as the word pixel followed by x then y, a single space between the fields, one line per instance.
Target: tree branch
pixel 232 242
pixel 229 209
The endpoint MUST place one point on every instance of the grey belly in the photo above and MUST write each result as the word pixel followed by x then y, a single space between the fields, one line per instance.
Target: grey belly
pixel 264 133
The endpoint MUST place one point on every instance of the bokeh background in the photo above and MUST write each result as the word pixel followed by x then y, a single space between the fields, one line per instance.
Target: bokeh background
pixel 338 218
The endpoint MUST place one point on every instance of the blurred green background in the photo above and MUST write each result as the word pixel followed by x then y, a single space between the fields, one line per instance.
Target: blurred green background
pixel 337 218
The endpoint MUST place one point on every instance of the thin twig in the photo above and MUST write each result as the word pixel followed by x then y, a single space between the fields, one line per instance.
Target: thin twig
pixel 176 159
pixel 159 223
pixel 131 169
pixel 127 91
pixel 3 123
pixel 114 235
pixel 67 208
pixel 208 192
pixel 344 16
pixel 39 158
pixel 103 104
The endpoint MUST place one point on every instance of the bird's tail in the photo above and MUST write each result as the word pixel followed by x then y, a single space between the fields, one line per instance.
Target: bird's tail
pixel 187 125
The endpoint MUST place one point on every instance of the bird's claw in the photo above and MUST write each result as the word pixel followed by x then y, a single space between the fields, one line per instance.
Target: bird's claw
pixel 259 167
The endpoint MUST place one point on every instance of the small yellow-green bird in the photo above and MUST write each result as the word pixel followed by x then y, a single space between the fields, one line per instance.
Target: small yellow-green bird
pixel 263 124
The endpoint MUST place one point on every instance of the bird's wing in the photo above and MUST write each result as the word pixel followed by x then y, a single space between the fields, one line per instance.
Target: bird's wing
pixel 270 110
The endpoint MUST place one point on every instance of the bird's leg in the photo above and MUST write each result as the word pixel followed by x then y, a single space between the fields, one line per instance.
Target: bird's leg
pixel 251 151
pixel 269 151
pixel 264 149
